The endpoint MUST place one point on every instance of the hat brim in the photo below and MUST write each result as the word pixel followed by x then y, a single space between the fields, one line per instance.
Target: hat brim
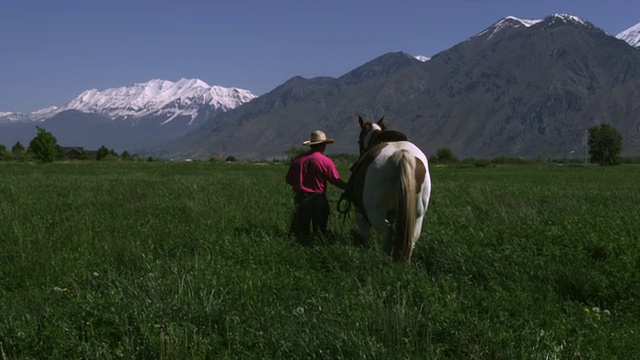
pixel 309 142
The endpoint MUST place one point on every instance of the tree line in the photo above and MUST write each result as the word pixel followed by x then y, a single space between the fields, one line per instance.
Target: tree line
pixel 44 148
pixel 604 142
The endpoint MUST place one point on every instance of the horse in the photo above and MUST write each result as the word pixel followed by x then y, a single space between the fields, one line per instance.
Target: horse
pixel 390 187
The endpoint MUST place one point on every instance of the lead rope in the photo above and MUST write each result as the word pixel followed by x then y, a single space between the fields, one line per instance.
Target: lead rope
pixel 344 205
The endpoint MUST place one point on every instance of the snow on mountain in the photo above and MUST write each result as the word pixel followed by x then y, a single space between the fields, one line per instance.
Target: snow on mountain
pixel 508 22
pixel 159 97
pixel 567 18
pixel 631 35
pixel 512 22
pixel 156 97
pixel 422 58
pixel 13 117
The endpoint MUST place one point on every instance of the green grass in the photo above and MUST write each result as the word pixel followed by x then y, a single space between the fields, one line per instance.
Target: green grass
pixel 193 260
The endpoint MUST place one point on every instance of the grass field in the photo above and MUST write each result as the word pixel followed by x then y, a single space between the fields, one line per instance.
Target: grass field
pixel 193 260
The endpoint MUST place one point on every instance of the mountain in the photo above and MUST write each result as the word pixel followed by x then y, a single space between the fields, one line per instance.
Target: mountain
pixel 159 98
pixel 132 117
pixel 631 35
pixel 519 88
pixel 274 122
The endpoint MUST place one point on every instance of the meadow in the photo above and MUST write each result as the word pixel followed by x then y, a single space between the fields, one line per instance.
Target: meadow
pixel 155 260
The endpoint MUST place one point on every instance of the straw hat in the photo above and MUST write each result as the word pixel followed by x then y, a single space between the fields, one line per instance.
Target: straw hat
pixel 317 137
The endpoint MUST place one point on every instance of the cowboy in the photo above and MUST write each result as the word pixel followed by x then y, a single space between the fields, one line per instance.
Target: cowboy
pixel 308 176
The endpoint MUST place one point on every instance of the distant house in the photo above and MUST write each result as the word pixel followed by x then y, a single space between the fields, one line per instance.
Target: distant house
pixel 72 153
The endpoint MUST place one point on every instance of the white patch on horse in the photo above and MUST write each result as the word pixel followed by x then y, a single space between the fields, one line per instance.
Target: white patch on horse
pixel 367 139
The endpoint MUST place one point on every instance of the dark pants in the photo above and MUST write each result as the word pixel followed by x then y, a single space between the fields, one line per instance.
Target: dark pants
pixel 311 209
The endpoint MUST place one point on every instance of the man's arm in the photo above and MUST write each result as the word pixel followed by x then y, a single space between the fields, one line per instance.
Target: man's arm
pixel 339 184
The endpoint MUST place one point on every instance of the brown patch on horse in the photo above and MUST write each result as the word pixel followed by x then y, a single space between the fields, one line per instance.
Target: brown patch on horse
pixel 420 174
pixel 358 175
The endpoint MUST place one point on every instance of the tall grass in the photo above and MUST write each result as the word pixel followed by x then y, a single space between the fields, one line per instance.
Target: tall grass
pixel 193 260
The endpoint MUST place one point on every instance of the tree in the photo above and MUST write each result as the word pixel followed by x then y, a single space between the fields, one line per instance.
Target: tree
pixel 17 149
pixel 102 153
pixel 445 155
pixel 294 152
pixel 4 154
pixel 44 145
pixel 605 145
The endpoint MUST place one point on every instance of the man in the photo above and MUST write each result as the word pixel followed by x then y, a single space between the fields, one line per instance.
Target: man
pixel 308 176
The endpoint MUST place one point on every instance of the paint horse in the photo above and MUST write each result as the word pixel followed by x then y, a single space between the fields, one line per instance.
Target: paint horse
pixel 390 187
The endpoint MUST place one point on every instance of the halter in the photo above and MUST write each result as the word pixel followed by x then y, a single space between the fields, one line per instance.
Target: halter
pixel 365 139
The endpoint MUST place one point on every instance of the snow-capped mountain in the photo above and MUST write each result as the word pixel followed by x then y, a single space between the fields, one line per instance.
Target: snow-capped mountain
pixel 133 117
pixel 507 22
pixel 512 22
pixel 9 117
pixel 631 35
pixel 184 98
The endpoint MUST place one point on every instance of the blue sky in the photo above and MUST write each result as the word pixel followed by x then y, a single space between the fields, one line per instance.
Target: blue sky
pixel 51 51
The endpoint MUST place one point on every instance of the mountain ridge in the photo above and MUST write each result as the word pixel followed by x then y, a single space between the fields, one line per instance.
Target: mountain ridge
pixel 127 118
pixel 528 92
pixel 520 87
pixel 153 97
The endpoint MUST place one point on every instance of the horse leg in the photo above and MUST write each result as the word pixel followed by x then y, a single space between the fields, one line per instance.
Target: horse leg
pixel 380 222
pixel 364 228
pixel 416 233
pixel 387 236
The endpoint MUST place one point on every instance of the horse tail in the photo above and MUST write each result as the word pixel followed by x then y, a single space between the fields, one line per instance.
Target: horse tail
pixel 406 210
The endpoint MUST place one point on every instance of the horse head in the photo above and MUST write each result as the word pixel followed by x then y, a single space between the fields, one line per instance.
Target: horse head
pixel 367 131
pixel 373 133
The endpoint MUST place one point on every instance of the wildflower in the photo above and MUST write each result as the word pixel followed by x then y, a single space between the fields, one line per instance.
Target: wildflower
pixel 299 311
pixel 95 273
pixel 587 310
pixel 57 289
pixel 595 309
pixel 606 312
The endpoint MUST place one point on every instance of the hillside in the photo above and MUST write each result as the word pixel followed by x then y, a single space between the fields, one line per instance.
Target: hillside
pixel 516 89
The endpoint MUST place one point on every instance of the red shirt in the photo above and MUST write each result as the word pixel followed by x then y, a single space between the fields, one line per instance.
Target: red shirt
pixel 310 172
